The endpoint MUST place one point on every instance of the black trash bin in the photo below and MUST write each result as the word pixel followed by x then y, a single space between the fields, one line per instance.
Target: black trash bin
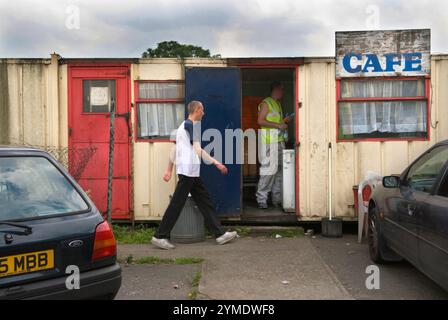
pixel 189 228
pixel 332 228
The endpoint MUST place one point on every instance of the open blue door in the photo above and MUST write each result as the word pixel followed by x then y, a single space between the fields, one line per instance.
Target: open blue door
pixel 219 89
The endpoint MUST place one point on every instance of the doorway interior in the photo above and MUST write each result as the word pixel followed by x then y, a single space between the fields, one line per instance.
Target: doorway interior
pixel 255 87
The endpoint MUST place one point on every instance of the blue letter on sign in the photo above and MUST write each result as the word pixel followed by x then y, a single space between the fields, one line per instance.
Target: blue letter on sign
pixel 409 62
pixel 372 62
pixel 347 63
pixel 391 62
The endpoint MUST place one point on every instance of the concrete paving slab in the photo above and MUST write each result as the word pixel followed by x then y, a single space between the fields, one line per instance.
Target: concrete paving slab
pixel 348 260
pixel 157 282
pixel 256 268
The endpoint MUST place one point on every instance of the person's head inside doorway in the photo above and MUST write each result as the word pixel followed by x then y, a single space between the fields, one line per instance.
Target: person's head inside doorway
pixel 195 110
pixel 277 90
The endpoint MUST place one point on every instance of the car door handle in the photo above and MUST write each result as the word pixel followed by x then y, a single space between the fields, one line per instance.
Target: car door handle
pixel 411 209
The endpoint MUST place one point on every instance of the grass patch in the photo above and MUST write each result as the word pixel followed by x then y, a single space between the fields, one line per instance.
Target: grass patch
pixel 188 260
pixel 288 233
pixel 137 235
pixel 242 231
pixel 156 260
pixel 195 284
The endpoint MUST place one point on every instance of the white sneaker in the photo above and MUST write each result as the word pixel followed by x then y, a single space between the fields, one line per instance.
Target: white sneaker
pixel 162 243
pixel 226 237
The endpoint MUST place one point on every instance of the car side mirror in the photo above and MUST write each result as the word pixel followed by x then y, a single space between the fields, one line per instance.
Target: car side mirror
pixel 391 182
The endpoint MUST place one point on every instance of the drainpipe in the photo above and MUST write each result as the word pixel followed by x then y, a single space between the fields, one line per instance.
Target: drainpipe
pixel 331 227
pixel 330 182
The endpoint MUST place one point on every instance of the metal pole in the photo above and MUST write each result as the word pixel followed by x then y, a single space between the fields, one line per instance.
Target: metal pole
pixel 111 161
pixel 330 183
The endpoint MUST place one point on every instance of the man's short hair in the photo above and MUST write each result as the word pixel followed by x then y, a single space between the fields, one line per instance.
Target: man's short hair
pixel 275 85
pixel 193 105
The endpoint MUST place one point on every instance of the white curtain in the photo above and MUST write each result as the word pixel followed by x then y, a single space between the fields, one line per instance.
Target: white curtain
pixel 159 119
pixel 155 90
pixel 382 88
pixel 382 116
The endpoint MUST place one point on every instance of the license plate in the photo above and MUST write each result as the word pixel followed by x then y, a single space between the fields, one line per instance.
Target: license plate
pixel 26 263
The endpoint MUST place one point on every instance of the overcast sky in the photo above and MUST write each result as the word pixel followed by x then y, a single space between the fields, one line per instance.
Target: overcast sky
pixel 232 28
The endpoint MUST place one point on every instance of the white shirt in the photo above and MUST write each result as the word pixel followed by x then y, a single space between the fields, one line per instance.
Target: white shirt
pixel 188 162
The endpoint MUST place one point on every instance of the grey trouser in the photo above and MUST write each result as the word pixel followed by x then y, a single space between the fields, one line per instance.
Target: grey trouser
pixel 271 172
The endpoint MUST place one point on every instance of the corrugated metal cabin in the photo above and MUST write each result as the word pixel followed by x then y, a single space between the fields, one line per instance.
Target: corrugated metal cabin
pixel 63 105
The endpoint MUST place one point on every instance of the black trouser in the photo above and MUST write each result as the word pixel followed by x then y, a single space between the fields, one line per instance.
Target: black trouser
pixel 201 197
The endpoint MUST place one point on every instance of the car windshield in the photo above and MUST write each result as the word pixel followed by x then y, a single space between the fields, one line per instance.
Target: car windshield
pixel 32 187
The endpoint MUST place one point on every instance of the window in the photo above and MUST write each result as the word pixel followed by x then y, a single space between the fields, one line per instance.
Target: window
pixel 424 173
pixel 160 108
pixel 382 109
pixel 33 187
pixel 98 95
pixel 443 190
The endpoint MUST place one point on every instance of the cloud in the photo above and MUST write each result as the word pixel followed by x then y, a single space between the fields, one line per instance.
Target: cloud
pixel 232 28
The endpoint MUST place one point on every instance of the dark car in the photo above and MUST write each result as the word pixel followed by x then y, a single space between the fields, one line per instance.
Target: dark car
pixel 51 233
pixel 408 216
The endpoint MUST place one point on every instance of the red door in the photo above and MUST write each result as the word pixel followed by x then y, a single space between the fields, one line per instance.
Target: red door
pixel 91 93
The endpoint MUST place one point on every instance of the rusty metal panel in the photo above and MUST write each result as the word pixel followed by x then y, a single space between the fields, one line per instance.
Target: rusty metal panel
pixel 345 172
pixel 34 104
pixel 4 103
pixel 439 98
pixel 151 193
pixel 383 53
pixel 317 121
pixel 315 96
pixel 141 181
pixel 265 61
pixel 29 102
pixel 351 160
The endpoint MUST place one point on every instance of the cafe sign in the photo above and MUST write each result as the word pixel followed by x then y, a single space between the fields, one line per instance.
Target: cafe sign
pixel 383 53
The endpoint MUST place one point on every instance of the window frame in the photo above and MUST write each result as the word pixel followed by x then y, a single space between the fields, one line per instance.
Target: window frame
pixel 426 98
pixel 443 179
pixel 442 173
pixel 107 113
pixel 139 100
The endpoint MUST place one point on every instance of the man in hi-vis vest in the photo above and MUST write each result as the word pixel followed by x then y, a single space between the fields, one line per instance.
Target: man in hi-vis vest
pixel 270 118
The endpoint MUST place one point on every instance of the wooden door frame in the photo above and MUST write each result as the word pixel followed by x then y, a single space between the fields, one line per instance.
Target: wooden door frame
pixel 91 64
pixel 295 67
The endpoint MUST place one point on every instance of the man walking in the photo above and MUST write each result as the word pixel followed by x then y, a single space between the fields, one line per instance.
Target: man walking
pixel 188 163
pixel 270 119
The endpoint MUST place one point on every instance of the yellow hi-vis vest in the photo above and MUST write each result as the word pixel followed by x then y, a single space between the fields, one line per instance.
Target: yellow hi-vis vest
pixel 275 114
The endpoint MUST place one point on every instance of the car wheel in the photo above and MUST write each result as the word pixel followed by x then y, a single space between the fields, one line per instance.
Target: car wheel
pixel 378 249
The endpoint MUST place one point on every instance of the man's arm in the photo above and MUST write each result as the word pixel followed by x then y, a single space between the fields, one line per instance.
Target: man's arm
pixel 208 158
pixel 266 123
pixel 171 160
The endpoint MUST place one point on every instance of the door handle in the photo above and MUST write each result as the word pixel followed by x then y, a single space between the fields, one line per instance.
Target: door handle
pixel 411 209
pixel 126 116
pixel 120 115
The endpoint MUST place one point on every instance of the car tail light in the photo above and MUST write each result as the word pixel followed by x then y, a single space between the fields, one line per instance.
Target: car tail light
pixel 105 244
pixel 366 193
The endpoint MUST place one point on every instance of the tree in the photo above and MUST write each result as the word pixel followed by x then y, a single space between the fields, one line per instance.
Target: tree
pixel 173 49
